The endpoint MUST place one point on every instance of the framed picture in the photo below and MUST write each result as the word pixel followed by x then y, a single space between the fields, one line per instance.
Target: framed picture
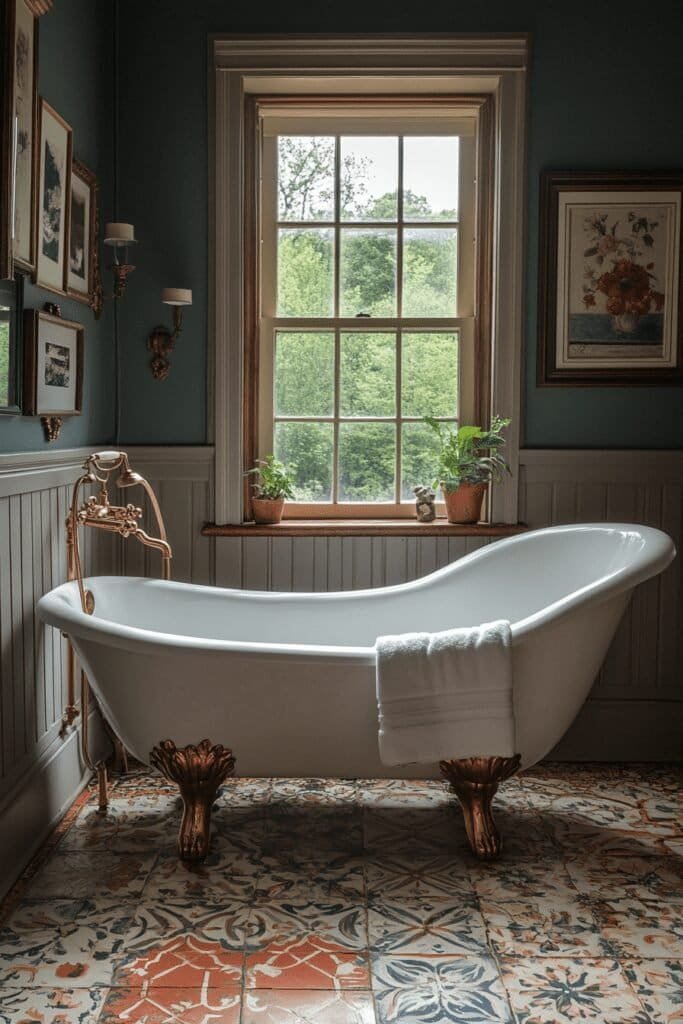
pixel 54 193
pixel 610 297
pixel 11 299
pixel 19 130
pixel 53 365
pixel 81 239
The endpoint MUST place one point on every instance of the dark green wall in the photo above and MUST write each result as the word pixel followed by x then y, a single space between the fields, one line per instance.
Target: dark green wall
pixel 606 91
pixel 77 78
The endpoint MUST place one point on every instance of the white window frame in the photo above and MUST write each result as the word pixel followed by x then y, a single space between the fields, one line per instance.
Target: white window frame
pixel 466 65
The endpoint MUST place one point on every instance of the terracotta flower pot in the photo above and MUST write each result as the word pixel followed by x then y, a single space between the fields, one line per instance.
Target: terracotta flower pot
pixel 463 505
pixel 267 510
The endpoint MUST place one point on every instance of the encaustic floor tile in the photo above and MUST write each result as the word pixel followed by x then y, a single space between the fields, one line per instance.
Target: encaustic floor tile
pixel 185 961
pixel 224 924
pixel 152 1005
pixel 659 986
pixel 62 943
pixel 307 962
pixel 606 877
pixel 307 1007
pixel 435 875
pixel 568 990
pixel 327 874
pixel 439 990
pixel 436 927
pixel 403 793
pixel 51 1005
pixel 314 792
pixel 647 928
pixel 224 875
pixel 72 874
pixel 131 823
pixel 337 921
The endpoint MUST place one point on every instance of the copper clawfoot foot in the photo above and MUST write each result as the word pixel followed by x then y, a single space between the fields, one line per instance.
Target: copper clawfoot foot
pixel 198 772
pixel 475 781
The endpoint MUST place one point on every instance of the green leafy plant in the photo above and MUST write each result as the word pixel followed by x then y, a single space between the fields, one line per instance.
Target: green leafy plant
pixel 274 479
pixel 469 455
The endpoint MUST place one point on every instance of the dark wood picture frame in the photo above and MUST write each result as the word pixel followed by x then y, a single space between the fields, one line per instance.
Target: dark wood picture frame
pixel 87 177
pixel 57 284
pixel 32 404
pixel 10 168
pixel 602 285
pixel 12 299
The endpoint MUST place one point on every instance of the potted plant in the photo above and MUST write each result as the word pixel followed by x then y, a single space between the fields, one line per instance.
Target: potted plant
pixel 469 458
pixel 273 484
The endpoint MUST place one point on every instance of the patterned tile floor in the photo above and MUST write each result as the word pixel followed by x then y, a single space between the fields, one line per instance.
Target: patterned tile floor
pixel 341 902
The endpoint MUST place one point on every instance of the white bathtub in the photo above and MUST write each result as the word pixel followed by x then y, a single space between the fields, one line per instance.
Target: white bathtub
pixel 288 680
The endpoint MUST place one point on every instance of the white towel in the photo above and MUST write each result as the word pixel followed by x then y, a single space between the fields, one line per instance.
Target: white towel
pixel 445 695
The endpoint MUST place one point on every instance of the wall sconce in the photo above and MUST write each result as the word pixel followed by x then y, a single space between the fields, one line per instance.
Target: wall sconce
pixel 161 340
pixel 120 236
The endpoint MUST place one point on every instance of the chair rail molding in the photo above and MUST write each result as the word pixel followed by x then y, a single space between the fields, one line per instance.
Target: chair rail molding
pixel 370 64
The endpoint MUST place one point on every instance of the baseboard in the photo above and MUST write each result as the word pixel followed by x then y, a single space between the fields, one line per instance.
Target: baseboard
pixel 33 808
pixel 624 730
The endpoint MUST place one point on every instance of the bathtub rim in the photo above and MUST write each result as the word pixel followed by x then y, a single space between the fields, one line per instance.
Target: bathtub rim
pixel 58 609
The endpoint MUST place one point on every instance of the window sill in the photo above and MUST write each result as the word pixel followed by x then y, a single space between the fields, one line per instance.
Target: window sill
pixel 363 528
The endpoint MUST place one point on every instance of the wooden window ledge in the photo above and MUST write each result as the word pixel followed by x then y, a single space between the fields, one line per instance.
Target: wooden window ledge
pixel 363 528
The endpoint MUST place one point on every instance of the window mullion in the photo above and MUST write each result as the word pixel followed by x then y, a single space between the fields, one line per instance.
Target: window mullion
pixel 335 443
pixel 399 420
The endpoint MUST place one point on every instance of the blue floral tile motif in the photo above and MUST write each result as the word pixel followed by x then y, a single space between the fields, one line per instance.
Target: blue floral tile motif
pixel 402 877
pixel 432 927
pixel 336 920
pixel 63 943
pixel 439 990
pixel 297 875
pixel 558 991
pixel 659 986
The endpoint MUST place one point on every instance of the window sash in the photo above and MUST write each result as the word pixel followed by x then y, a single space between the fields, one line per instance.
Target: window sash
pixel 269 322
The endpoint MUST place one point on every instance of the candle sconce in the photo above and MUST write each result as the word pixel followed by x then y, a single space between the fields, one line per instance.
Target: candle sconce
pixel 119 237
pixel 161 340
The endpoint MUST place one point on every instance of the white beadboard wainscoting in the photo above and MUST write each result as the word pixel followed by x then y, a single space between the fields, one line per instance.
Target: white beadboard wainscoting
pixel 40 771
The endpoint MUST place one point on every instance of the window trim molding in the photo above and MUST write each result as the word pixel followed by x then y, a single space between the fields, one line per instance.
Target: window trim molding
pixel 244 65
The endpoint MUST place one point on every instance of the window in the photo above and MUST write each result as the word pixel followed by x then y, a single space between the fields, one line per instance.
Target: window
pixel 261 79
pixel 366 307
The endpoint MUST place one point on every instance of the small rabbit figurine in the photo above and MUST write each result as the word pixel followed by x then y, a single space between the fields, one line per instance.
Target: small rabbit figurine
pixel 424 505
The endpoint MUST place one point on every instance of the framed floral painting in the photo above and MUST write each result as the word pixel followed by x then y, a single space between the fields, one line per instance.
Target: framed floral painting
pixel 610 299
pixel 54 194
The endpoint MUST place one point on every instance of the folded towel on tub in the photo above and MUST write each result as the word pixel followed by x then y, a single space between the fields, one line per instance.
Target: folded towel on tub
pixel 445 695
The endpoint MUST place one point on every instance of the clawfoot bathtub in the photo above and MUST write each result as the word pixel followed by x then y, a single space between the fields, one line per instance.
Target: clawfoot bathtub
pixel 288 680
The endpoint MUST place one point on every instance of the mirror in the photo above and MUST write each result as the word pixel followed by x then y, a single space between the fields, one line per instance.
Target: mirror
pixel 11 295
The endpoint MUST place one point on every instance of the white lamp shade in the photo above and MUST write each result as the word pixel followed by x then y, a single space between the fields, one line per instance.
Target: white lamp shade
pixel 177 296
pixel 119 234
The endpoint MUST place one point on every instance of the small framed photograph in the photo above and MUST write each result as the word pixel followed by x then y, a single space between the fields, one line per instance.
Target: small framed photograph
pixel 610 297
pixel 53 365
pixel 81 235
pixel 54 193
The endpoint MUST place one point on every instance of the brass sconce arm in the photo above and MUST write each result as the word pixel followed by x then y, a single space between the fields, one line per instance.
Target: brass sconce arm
pixel 161 340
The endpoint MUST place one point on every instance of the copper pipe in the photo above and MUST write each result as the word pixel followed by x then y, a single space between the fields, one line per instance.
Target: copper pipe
pixel 100 514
